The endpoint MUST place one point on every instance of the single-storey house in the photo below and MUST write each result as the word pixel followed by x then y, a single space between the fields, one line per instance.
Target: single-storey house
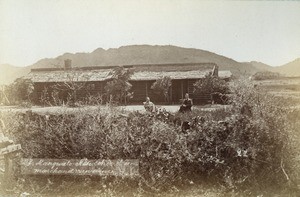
pixel 94 79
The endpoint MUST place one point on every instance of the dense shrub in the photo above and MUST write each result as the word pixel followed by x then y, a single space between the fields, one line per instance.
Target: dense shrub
pixel 162 87
pixel 247 145
pixel 265 75
pixel 214 86
pixel 17 93
pixel 118 89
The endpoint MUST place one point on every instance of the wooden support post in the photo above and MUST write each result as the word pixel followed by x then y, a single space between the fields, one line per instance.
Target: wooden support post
pixel 146 88
pixel 181 89
pixel 171 92
pixel 125 99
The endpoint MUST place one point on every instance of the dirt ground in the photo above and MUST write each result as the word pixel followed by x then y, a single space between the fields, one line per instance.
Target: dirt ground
pixel 140 108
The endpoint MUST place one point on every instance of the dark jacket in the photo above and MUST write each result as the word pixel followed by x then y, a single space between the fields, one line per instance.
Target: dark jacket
pixel 186 105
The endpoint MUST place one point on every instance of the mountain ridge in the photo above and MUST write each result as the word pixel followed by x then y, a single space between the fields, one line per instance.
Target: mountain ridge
pixel 140 54
pixel 146 54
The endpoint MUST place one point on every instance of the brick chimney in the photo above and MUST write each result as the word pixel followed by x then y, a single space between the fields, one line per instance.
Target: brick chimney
pixel 68 64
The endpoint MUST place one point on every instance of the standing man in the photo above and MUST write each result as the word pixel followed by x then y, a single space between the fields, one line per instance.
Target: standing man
pixel 187 104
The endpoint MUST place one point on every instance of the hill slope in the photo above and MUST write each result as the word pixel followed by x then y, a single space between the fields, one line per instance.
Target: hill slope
pixel 290 69
pixel 8 73
pixel 261 66
pixel 145 54
pixel 137 54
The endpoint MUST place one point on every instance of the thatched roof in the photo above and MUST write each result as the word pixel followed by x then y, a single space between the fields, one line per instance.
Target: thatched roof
pixel 193 74
pixel 144 73
pixel 69 75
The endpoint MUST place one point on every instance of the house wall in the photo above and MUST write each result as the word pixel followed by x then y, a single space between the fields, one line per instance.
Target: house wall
pixel 57 91
pixel 178 90
pixel 197 97
pixel 181 87
pixel 140 89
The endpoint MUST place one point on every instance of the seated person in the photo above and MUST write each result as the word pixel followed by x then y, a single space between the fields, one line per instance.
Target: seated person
pixel 186 105
pixel 149 106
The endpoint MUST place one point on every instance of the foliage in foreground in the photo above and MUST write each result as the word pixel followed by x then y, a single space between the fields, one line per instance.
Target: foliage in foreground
pixel 248 146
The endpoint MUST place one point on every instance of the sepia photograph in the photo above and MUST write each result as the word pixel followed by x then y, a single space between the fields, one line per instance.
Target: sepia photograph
pixel 134 98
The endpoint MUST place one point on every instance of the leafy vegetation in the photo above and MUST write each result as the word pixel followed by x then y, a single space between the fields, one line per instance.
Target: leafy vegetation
pixel 118 89
pixel 162 87
pixel 265 75
pixel 18 92
pixel 245 149
pixel 71 86
pixel 213 85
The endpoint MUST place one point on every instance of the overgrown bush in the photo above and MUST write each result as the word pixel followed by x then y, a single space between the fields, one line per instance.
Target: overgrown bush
pixel 246 146
pixel 118 89
pixel 162 87
pixel 17 93
pixel 265 75
pixel 52 97
pixel 214 86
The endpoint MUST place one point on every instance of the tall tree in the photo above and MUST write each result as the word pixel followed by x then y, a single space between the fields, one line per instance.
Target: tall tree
pixel 212 85
pixel 17 92
pixel 75 83
pixel 118 89
pixel 162 86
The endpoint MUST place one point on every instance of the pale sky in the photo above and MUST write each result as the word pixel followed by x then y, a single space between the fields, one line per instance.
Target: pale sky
pixel 262 31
